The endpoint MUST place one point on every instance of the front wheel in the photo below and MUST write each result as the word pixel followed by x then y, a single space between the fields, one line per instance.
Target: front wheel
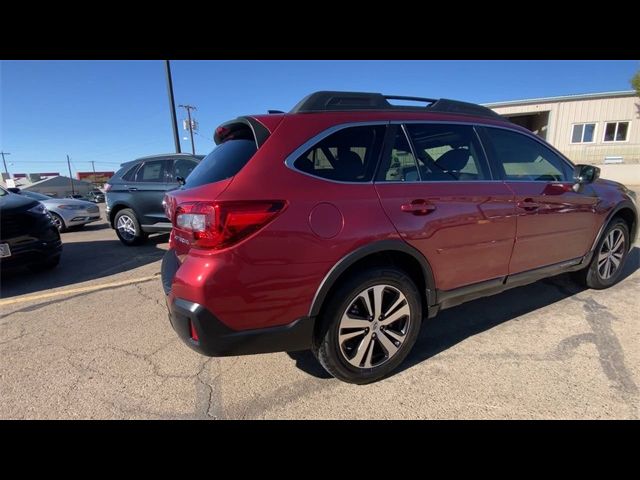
pixel 58 222
pixel 369 326
pixel 128 228
pixel 605 268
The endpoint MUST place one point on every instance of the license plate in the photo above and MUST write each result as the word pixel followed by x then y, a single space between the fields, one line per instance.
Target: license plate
pixel 4 250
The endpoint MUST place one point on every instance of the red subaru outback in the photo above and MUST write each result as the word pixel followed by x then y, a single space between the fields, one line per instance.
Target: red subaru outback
pixel 341 225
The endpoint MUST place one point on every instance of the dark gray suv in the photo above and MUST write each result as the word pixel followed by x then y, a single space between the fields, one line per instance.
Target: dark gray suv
pixel 134 194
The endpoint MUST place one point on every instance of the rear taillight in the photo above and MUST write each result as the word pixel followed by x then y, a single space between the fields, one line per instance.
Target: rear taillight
pixel 217 225
pixel 107 187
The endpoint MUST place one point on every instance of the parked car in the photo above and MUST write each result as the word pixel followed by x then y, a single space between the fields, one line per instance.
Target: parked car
pixel 28 238
pixel 340 226
pixel 65 212
pixel 95 196
pixel 134 195
pixel 77 196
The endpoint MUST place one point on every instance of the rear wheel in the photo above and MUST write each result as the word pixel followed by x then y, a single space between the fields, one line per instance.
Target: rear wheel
pixel 128 228
pixel 605 268
pixel 369 326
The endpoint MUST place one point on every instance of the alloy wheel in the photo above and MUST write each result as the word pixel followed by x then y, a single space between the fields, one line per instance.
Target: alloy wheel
pixel 57 221
pixel 611 253
pixel 126 227
pixel 374 326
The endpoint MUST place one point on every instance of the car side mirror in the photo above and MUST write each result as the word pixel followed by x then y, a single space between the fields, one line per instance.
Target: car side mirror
pixel 583 174
pixel 180 180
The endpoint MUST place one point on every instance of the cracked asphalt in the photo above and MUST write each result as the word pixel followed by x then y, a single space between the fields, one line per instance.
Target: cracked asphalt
pixel 547 350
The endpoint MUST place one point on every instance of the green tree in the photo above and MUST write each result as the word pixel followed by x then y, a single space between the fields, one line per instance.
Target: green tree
pixel 635 82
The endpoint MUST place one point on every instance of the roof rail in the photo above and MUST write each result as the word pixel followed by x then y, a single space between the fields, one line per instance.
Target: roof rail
pixel 325 101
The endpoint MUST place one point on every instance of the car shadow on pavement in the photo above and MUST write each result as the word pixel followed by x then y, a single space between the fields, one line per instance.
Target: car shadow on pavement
pixel 456 324
pixel 82 262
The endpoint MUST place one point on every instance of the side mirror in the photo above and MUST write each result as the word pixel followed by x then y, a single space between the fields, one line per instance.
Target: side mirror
pixel 180 180
pixel 584 174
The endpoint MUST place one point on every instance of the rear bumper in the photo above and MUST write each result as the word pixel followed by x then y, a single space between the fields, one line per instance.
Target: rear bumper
pixel 215 339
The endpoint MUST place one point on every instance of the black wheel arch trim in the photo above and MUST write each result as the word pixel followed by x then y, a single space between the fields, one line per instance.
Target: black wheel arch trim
pixel 376 247
pixel 620 206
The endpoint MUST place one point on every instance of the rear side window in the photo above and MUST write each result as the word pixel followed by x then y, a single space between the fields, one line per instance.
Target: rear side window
pixel 226 160
pixel 128 173
pixel 153 171
pixel 183 167
pixel 349 155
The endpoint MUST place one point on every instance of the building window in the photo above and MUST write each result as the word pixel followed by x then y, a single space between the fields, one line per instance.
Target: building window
pixel 616 131
pixel 583 133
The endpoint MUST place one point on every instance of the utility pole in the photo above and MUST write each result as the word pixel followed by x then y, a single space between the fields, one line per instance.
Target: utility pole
pixel 73 192
pixel 172 106
pixel 188 108
pixel 5 163
pixel 93 166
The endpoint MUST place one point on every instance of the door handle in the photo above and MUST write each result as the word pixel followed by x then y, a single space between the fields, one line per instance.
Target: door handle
pixel 418 207
pixel 529 205
pixel 132 189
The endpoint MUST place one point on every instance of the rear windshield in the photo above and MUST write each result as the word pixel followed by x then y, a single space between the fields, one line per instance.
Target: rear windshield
pixel 223 162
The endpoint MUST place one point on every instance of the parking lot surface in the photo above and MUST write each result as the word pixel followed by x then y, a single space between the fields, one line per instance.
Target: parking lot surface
pixel 91 339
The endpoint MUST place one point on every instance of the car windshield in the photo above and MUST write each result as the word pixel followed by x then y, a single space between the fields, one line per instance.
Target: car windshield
pixel 3 192
pixel 35 195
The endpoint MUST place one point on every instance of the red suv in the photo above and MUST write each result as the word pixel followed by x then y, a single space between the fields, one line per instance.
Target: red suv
pixel 341 225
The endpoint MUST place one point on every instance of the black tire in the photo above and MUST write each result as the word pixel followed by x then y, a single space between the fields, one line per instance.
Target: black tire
pixel 592 276
pixel 58 222
pixel 48 264
pixel 138 237
pixel 327 348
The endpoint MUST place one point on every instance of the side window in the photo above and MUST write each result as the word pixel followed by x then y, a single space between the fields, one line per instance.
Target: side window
pixel 130 175
pixel 182 168
pixel 400 165
pixel 448 152
pixel 348 155
pixel 151 171
pixel 525 159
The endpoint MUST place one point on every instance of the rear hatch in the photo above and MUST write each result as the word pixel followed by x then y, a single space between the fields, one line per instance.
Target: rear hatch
pixel 237 142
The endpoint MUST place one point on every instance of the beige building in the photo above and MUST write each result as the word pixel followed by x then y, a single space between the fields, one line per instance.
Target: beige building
pixel 597 128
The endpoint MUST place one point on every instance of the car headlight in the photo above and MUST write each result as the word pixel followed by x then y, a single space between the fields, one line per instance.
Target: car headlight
pixel 39 209
pixel 72 207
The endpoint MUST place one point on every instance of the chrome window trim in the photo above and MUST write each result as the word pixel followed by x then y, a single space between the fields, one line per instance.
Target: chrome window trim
pixel 293 156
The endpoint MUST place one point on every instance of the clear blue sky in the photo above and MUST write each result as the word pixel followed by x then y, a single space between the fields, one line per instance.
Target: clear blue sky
pixel 115 111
